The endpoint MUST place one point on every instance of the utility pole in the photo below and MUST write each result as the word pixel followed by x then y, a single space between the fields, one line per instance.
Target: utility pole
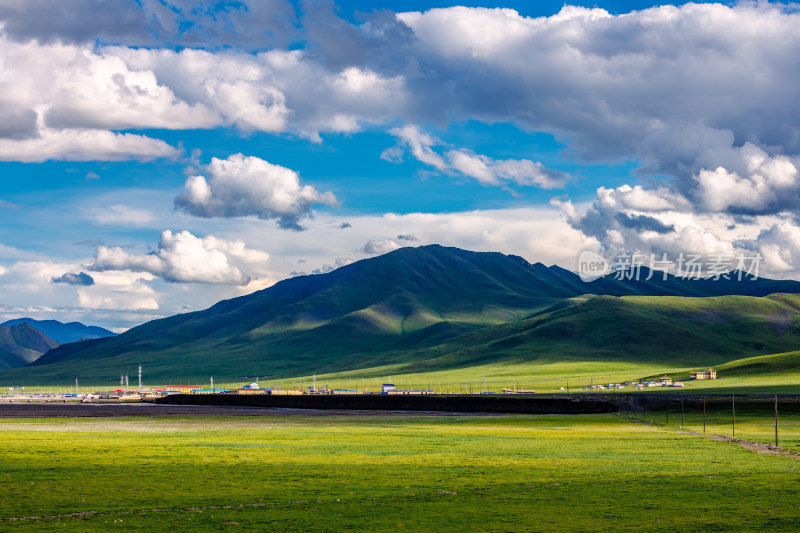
pixel 776 420
pixel 140 377
pixel 704 414
pixel 76 392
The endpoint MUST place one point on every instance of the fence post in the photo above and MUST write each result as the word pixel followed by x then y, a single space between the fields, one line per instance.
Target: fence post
pixel 733 410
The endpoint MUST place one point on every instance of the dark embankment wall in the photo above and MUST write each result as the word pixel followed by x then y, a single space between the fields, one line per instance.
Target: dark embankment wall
pixel 715 401
pixel 473 404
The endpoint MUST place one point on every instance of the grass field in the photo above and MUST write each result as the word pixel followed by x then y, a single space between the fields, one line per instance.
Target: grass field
pixel 543 377
pixel 416 473
pixel 772 373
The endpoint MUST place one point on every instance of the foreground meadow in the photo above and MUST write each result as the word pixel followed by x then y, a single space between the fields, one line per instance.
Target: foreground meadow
pixel 417 473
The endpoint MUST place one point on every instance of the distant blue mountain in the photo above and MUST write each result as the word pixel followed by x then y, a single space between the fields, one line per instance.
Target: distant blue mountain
pixel 63 333
pixel 21 344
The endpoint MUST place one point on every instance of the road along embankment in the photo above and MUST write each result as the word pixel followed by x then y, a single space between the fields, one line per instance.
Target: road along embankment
pixel 374 402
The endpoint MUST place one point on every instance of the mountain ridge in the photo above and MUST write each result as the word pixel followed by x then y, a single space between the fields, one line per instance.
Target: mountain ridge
pixel 405 305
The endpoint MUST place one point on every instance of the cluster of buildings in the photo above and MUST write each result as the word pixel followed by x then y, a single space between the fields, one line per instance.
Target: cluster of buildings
pixel 664 381
pixel 255 389
pixel 124 394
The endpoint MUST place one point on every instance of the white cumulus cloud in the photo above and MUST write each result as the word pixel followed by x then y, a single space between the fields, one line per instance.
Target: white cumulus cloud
pixel 274 91
pixel 780 247
pixel 658 221
pixel 665 83
pixel 380 246
pixel 249 186
pixel 754 182
pixel 669 86
pixel 181 257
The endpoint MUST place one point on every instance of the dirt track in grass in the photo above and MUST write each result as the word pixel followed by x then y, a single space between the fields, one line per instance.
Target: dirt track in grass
pixel 758 447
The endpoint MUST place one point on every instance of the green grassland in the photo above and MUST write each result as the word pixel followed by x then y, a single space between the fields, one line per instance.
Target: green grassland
pixel 773 373
pixel 423 473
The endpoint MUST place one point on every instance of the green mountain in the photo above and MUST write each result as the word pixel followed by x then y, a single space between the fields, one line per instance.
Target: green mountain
pixel 665 330
pixel 434 308
pixel 775 364
pixel 22 344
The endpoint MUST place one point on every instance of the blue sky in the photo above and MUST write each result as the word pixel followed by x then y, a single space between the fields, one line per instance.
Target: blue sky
pixel 177 152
